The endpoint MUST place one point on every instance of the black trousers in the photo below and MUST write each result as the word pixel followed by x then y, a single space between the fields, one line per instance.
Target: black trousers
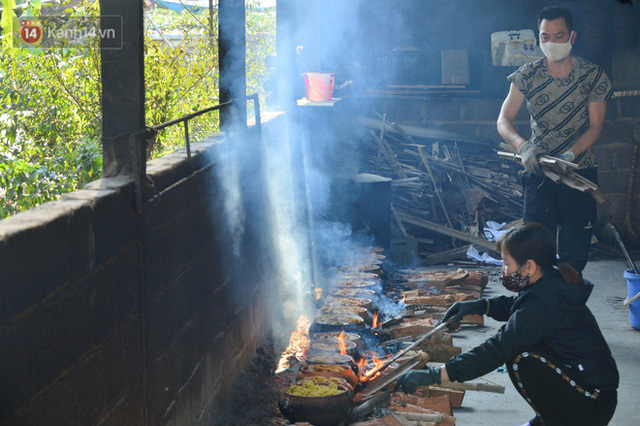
pixel 566 212
pixel 550 389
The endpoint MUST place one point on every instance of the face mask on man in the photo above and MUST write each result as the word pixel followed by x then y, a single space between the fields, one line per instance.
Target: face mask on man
pixel 556 51
pixel 515 281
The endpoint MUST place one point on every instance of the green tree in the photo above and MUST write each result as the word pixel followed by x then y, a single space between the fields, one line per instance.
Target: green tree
pixel 50 116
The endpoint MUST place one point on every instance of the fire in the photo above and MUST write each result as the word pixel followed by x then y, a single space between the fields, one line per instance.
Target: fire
pixel 298 344
pixel 343 346
pixel 375 320
pixel 375 371
pixel 403 297
pixel 318 293
pixel 361 365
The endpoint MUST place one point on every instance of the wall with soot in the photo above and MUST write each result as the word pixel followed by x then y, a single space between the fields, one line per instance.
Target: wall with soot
pixel 109 316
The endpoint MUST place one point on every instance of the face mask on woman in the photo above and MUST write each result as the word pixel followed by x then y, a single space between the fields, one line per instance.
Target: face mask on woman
pixel 515 281
pixel 556 51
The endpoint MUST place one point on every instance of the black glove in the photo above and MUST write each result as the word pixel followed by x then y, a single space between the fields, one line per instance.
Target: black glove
pixel 410 381
pixel 460 309
pixel 529 153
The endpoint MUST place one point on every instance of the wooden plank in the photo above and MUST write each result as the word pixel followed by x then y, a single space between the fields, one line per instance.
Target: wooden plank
pixel 441 229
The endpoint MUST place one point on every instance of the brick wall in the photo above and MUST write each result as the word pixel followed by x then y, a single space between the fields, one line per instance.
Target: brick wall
pixel 477 116
pixel 113 317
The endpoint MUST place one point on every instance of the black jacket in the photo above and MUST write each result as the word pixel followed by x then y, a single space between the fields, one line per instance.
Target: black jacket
pixel 549 318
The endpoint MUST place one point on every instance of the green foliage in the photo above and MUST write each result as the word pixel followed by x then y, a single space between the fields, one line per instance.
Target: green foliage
pixel 50 113
pixel 49 123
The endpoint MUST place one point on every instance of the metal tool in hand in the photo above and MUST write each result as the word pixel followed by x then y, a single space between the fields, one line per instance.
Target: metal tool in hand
pixel 624 250
pixel 424 337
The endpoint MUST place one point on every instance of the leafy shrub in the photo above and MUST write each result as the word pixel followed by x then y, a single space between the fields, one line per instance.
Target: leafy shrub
pixel 50 112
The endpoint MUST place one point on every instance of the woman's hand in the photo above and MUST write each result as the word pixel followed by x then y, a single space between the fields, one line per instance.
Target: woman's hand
pixel 460 309
pixel 410 381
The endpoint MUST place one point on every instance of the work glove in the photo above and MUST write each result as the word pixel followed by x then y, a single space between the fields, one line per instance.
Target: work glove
pixel 460 309
pixel 410 381
pixel 568 156
pixel 529 153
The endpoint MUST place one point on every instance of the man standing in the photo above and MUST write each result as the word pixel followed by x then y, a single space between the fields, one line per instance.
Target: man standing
pixel 566 98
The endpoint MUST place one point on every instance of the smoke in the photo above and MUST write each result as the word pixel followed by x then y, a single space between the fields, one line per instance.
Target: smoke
pixel 300 150
pixel 227 172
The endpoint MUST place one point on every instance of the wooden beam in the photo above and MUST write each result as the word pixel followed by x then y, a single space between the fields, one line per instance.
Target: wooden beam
pixel 441 229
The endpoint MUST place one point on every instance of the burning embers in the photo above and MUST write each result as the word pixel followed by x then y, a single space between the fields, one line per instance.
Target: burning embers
pixel 298 342
pixel 344 338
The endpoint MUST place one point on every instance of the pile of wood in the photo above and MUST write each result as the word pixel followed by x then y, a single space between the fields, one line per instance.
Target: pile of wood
pixel 444 187
pixel 427 295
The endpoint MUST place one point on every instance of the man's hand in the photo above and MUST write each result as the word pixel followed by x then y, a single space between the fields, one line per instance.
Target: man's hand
pixel 410 381
pixel 529 153
pixel 460 309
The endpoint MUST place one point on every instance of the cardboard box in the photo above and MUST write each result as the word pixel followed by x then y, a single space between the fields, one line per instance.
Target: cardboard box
pixel 514 48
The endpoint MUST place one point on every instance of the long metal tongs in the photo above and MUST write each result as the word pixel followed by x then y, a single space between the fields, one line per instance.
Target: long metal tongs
pixel 424 337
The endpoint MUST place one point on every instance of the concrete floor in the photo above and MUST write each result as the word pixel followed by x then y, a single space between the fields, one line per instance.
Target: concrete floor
pixel 509 409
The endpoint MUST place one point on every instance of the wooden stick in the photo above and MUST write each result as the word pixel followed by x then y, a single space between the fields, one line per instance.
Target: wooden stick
pixel 475 386
pixel 425 161
pixel 379 157
pixel 390 156
pixel 397 417
pixel 422 417
pixel 449 232
pixel 399 222
pixel 628 301
pixel 445 255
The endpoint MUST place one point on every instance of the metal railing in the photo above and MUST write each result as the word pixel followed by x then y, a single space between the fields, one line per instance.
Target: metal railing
pixel 185 119
pixel 138 141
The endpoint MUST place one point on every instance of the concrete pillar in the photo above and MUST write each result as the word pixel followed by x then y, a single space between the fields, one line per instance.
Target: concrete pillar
pixel 123 90
pixel 232 54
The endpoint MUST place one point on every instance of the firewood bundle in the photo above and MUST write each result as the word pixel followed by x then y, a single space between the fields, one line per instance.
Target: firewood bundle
pixel 442 191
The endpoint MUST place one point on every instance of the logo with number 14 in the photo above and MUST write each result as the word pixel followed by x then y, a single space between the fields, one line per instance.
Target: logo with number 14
pixel 31 31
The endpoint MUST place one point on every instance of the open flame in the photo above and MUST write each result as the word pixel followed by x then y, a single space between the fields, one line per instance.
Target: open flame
pixel 343 346
pixel 375 320
pixel 298 344
pixel 403 298
pixel 361 365
pixel 318 292
pixel 375 370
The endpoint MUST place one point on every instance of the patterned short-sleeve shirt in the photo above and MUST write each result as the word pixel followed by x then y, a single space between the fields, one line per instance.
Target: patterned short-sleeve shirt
pixel 558 107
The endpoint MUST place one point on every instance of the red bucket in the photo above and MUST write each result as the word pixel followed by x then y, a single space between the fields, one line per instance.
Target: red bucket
pixel 319 86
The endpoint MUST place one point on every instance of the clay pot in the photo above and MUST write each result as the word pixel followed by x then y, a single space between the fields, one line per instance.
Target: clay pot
pixel 317 410
pixel 334 348
pixel 319 370
pixel 348 301
pixel 353 275
pixel 370 268
pixel 359 293
pixel 333 337
pixel 359 285
pixel 337 359
pixel 349 310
